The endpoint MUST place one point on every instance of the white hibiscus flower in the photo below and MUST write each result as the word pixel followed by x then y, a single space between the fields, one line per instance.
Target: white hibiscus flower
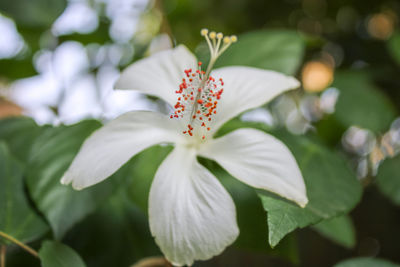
pixel 191 215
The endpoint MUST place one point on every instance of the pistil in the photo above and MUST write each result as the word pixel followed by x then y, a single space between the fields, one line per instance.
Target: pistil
pixel 199 92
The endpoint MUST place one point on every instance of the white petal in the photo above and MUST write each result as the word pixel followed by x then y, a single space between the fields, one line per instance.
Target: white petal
pixel 158 75
pixel 192 217
pixel 108 148
pixel 259 160
pixel 246 88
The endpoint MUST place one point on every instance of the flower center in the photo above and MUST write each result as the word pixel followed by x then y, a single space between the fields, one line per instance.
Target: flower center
pixel 199 93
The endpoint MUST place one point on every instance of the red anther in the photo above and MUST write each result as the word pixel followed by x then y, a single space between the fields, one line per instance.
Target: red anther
pixel 199 90
pixel 215 112
pixel 198 112
pixel 192 98
pixel 171 117
pixel 200 63
pixel 200 101
pixel 209 119
pixel 184 132
pixel 190 80
pixel 190 133
pixel 203 72
pixel 208 128
pixel 194 117
pixel 201 118
pixel 203 124
pixel 203 137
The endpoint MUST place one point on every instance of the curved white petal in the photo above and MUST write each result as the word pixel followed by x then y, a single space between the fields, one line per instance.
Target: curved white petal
pixel 259 160
pixel 108 148
pixel 192 217
pixel 158 75
pixel 246 88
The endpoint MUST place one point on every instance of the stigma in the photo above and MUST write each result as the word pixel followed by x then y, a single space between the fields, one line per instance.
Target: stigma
pixel 199 93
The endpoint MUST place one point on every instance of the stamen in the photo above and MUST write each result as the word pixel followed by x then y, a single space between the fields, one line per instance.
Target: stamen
pixel 199 92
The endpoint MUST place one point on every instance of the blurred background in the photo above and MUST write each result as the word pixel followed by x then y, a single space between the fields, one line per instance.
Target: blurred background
pixel 59 60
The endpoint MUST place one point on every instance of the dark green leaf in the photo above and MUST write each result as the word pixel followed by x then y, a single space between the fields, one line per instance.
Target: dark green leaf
pixel 17 218
pixel 19 133
pixel 388 179
pixel 366 262
pixel 13 69
pixel 360 103
pixel 145 165
pixel 54 254
pixel 332 189
pixel 123 227
pixel 278 50
pixel 33 13
pixel 339 229
pixel 51 154
pixel 394 46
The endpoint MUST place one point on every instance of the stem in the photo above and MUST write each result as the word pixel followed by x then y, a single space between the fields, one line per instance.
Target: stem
pixel 19 243
pixel 3 256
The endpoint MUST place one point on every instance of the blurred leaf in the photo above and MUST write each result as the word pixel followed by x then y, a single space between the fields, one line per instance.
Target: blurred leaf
pixel 17 218
pixel 360 103
pixel 332 189
pixel 388 179
pixel 339 229
pixel 394 46
pixel 119 224
pixel 146 164
pixel 51 155
pixel 54 254
pixel 279 50
pixel 19 133
pixel 366 262
pixel 33 13
pixel 100 36
pixel 13 69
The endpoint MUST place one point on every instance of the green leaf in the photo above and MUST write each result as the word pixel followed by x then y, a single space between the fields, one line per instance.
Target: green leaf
pixel 123 227
pixel 388 179
pixel 19 133
pixel 360 103
pixel 366 262
pixel 55 254
pixel 339 229
pixel 279 50
pixel 332 189
pixel 251 218
pixel 33 13
pixel 394 46
pixel 145 166
pixel 13 69
pixel 51 155
pixel 17 218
